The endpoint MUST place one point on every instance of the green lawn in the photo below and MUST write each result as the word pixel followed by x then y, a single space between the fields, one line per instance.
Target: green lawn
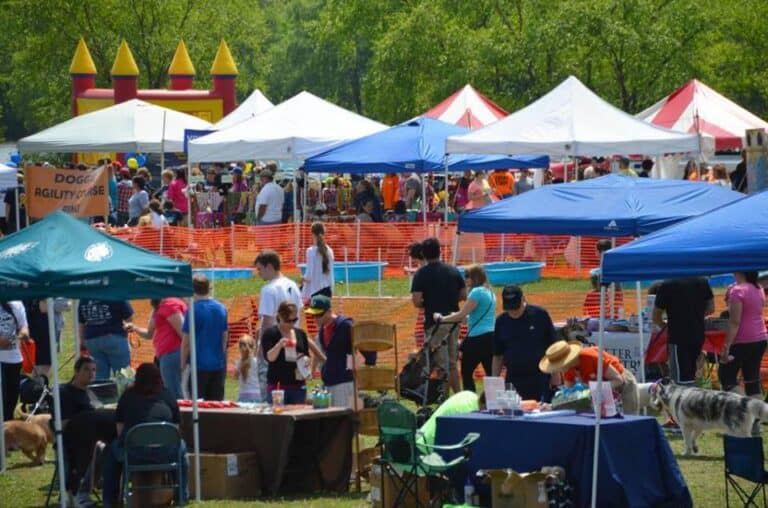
pixel 25 486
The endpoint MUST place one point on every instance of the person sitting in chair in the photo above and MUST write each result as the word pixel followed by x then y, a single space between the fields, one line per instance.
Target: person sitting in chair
pixel 147 400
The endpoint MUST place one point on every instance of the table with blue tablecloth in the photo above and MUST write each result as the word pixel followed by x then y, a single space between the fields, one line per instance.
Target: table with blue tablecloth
pixel 636 465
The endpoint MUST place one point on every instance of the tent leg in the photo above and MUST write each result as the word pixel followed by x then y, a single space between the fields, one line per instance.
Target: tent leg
pixel 445 189
pixel 640 331
pixel 57 404
pixel 598 395
pixel 75 328
pixel 456 245
pixel 195 414
pixel 189 194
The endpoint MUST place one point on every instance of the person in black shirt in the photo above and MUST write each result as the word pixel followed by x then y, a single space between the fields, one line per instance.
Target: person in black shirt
pixel 521 338
pixel 10 208
pixel 686 302
pixel 739 175
pixel 438 287
pixel 74 396
pixel 145 402
pixel 37 320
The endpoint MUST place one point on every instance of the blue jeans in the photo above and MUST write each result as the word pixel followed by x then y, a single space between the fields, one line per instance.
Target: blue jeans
pixel 170 370
pixel 111 353
pixel 113 468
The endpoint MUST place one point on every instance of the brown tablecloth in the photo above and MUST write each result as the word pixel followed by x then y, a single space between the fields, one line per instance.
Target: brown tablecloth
pixel 302 450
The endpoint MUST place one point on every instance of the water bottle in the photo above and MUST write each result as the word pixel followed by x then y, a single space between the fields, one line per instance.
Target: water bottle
pixel 469 491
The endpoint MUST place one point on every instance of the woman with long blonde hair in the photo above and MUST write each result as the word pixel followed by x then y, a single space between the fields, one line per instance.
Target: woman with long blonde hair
pixel 318 278
pixel 246 371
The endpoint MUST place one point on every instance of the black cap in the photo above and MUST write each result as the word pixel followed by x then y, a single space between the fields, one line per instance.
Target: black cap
pixel 512 296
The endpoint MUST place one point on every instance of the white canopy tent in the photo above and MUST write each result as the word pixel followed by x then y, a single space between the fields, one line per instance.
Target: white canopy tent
pixel 8 182
pixel 255 104
pixel 571 120
pixel 131 126
pixel 298 128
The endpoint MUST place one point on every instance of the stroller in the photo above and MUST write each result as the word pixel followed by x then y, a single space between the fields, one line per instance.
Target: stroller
pixel 421 379
pixel 35 395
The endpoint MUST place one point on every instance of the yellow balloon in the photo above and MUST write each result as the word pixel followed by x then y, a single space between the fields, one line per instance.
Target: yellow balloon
pixel 132 163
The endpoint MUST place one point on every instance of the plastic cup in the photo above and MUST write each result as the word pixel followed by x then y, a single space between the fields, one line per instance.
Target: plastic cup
pixel 278 401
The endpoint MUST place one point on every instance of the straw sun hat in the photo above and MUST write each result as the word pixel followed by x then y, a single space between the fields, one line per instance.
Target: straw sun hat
pixel 558 356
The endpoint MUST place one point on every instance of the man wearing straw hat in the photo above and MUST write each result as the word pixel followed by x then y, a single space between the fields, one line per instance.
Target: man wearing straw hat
pixel 576 363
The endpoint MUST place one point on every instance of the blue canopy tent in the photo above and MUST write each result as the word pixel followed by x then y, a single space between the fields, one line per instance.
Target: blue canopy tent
pixel 60 256
pixel 731 238
pixel 416 146
pixel 610 206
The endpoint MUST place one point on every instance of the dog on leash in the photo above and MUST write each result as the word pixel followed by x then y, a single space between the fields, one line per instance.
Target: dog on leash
pixel 29 437
pixel 697 410
pixel 41 419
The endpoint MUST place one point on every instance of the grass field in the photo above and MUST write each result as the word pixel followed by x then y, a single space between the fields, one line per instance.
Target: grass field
pixel 26 486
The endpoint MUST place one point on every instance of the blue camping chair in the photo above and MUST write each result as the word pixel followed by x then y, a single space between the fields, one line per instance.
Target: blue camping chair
pixel 744 459
pixel 153 447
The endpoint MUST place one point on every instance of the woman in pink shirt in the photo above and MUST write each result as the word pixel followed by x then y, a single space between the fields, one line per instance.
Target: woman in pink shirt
pixel 176 192
pixel 745 339
pixel 164 329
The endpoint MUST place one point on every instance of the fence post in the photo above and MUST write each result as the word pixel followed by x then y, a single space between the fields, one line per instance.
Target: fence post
pixel 162 233
pixel 297 247
pixel 232 242
pixel 380 269
pixel 346 268
pixel 357 239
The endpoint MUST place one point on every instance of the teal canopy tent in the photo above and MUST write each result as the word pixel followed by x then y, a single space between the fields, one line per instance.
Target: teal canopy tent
pixel 61 256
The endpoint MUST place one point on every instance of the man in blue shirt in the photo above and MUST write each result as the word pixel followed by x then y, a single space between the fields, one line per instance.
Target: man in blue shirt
pixel 102 331
pixel 521 337
pixel 211 337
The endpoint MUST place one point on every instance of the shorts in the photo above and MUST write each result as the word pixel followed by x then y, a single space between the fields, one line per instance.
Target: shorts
pixel 446 353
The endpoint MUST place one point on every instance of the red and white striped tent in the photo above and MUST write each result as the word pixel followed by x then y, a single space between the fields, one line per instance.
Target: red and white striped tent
pixel 717 117
pixel 467 108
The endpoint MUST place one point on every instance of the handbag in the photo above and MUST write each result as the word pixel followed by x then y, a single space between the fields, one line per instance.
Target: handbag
pixel 657 348
pixel 28 350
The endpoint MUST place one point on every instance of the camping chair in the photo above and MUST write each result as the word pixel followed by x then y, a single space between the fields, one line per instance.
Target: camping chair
pixel 744 459
pixel 403 460
pixel 153 447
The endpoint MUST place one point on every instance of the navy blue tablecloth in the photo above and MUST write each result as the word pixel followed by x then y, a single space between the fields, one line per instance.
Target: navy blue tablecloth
pixel 636 465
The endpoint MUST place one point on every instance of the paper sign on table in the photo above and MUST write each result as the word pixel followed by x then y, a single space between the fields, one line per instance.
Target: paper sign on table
pixel 491 386
pixel 606 401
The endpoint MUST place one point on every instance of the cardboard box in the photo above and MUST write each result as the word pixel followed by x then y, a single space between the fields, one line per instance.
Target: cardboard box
pixel 226 475
pixel 514 490
pixel 384 490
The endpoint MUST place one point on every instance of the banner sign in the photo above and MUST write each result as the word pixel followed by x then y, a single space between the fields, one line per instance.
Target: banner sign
pixel 190 134
pixel 78 193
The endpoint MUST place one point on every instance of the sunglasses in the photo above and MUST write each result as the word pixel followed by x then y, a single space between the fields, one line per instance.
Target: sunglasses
pixel 291 320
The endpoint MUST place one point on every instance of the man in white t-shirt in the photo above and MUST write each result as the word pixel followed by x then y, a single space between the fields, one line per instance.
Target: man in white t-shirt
pixel 269 202
pixel 277 290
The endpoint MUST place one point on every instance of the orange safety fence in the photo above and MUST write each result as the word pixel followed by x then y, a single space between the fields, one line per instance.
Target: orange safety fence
pixel 237 245
pixel 243 318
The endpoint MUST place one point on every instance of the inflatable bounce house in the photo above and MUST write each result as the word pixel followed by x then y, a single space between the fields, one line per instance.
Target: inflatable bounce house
pixel 210 105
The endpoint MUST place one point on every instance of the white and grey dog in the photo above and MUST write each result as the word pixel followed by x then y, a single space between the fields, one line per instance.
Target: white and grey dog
pixel 697 410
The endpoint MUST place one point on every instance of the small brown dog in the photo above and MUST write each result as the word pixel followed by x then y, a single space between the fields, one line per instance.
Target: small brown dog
pixel 27 436
pixel 43 420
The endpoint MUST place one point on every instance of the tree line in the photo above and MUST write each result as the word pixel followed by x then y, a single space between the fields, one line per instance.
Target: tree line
pixel 391 59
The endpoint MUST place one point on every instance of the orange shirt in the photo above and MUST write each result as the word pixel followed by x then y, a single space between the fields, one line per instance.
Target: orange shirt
pixel 587 367
pixel 502 183
pixel 591 305
pixel 390 191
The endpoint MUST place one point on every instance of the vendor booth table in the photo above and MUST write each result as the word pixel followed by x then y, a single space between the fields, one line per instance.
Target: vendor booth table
pixel 299 450
pixel 636 465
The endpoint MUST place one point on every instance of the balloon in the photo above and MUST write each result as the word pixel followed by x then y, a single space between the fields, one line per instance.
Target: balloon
pixel 132 163
pixel 141 160
pixel 15 157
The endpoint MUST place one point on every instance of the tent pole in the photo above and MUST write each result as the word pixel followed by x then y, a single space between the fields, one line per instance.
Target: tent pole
pixel 162 146
pixel 195 415
pixel 357 240
pixel 445 189
pixel 57 404
pixel 346 268
pixel 599 394
pixel 424 200
pixel 16 200
pixel 640 331
pixel 380 269
pixel 75 328
pixel 3 458
pixel 612 294
pixel 189 194
pixel 456 245
pixel 296 216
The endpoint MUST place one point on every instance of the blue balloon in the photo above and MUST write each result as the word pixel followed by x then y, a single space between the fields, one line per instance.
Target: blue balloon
pixel 130 155
pixel 15 157
pixel 141 159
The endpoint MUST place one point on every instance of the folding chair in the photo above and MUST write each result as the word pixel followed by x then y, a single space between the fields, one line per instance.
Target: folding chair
pixel 401 458
pixel 153 447
pixel 744 459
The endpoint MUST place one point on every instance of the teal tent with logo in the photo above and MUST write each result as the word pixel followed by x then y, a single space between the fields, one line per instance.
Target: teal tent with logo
pixel 61 256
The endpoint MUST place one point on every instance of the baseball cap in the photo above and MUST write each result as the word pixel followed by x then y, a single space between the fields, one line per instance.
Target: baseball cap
pixel 318 305
pixel 237 170
pixel 512 296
